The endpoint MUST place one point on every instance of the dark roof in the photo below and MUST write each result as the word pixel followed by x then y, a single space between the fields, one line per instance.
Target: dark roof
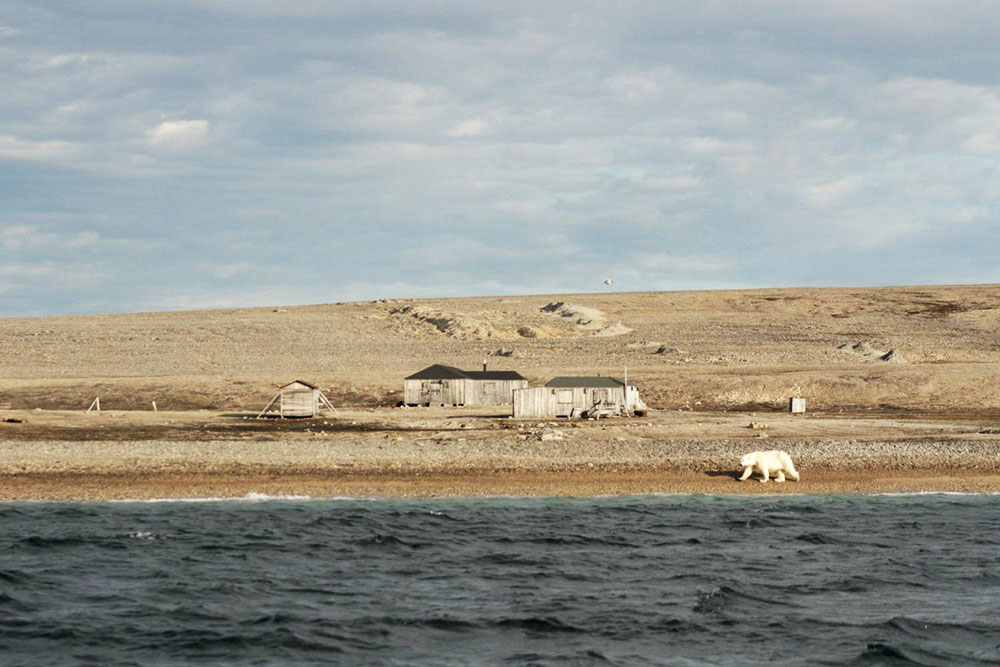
pixel 494 375
pixel 439 372
pixel 308 384
pixel 570 382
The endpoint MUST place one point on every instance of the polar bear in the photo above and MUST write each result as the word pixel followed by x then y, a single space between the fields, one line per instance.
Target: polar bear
pixel 771 461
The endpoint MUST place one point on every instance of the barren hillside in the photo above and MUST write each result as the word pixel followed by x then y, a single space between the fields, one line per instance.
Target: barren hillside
pixel 931 349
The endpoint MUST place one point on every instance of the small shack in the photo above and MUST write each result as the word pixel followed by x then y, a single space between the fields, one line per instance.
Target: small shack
pixel 593 397
pixel 298 399
pixel 447 385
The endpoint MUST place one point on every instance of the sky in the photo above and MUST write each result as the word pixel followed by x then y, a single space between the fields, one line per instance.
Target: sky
pixel 201 154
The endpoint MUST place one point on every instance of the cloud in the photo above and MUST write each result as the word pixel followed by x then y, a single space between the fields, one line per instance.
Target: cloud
pixel 983 143
pixel 716 146
pixel 829 123
pixel 178 135
pixel 634 86
pixel 66 59
pixel 665 262
pixel 30 238
pixel 17 148
pixel 27 236
pixel 827 194
pixel 25 271
pixel 232 270
pixel 454 147
pixel 469 128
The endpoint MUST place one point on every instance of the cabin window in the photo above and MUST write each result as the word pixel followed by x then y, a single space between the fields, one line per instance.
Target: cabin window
pixel 489 387
pixel 565 396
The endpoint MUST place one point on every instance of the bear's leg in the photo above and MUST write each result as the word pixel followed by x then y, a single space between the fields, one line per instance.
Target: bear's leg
pixel 780 477
pixel 763 471
pixel 746 473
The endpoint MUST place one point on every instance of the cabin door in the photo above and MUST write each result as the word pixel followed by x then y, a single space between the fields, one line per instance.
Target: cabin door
pixel 434 392
pixel 564 402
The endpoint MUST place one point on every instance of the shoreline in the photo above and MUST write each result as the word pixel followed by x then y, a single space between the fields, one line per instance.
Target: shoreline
pixel 399 454
pixel 138 486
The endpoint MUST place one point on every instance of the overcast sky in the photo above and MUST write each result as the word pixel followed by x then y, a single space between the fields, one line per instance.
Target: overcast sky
pixel 197 153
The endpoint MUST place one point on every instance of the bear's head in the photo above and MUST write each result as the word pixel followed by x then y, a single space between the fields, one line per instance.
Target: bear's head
pixel 748 459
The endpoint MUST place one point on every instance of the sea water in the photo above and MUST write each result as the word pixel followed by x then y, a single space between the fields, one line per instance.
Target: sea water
pixel 650 580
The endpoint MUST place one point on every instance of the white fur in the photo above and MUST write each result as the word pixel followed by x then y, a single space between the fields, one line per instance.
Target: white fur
pixel 772 461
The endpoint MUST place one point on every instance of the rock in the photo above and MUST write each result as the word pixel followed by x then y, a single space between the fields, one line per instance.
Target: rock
pixel 893 356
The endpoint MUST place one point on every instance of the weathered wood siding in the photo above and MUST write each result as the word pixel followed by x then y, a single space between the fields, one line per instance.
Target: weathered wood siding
pixel 545 402
pixel 434 392
pixel 298 400
pixel 460 392
pixel 534 403
pixel 492 392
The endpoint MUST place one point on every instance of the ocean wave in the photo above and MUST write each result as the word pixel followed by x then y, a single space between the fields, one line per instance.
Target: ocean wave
pixel 539 625
pixel 462 581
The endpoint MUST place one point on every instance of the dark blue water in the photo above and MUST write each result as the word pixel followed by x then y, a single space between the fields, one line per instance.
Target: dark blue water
pixel 682 580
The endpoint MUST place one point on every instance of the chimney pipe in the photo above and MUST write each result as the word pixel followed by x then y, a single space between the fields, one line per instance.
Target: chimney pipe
pixel 484 365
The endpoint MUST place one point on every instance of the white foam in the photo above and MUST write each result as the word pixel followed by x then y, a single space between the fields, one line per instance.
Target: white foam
pixel 248 498
pixel 937 493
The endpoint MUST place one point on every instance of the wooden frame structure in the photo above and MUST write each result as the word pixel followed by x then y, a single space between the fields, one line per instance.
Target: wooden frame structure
pixel 447 385
pixel 298 399
pixel 591 397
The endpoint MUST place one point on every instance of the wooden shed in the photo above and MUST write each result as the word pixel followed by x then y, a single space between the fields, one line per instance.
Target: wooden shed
pixel 447 385
pixel 298 399
pixel 579 397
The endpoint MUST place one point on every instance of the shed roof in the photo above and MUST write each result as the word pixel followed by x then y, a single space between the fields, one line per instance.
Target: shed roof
pixel 598 381
pixel 494 375
pixel 438 372
pixel 308 384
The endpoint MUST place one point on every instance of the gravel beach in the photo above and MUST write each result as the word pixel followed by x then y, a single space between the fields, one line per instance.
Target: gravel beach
pixel 101 470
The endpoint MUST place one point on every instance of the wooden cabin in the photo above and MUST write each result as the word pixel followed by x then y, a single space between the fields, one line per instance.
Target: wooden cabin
pixel 447 385
pixel 579 397
pixel 297 399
